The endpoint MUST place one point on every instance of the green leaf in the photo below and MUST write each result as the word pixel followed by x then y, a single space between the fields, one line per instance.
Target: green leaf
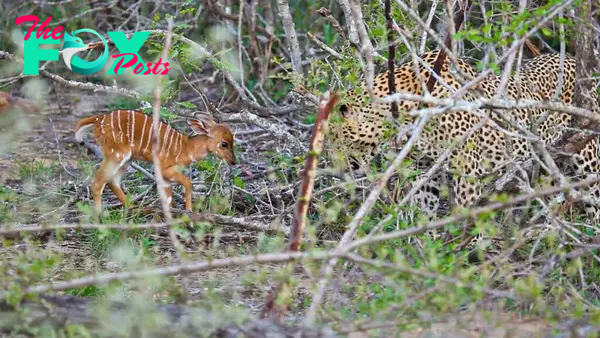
pixel 546 32
pixel 239 182
pixel 187 104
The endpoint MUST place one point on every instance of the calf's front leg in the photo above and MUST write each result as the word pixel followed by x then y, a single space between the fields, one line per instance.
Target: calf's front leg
pixel 173 175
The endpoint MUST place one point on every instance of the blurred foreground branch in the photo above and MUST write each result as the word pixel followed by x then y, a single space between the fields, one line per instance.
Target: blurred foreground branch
pixel 175 319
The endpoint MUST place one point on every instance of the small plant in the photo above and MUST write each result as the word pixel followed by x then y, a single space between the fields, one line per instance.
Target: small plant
pixel 36 171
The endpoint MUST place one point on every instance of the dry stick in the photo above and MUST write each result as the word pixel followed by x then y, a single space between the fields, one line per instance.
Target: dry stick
pixel 290 35
pixel 308 178
pixel 366 47
pixel 532 48
pixel 351 21
pixel 16 229
pixel 421 49
pixel 391 56
pixel 160 181
pixel 324 47
pixel 260 69
pixel 214 7
pixel 161 185
pixel 265 124
pixel 341 251
pixel 240 45
pixel 360 214
pixel 246 223
pixel 308 175
pixel 173 270
pixel 326 13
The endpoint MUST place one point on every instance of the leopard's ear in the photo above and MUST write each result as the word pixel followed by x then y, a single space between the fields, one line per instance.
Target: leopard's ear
pixel 344 110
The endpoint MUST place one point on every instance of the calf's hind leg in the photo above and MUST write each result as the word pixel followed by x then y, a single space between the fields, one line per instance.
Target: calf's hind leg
pixel 110 172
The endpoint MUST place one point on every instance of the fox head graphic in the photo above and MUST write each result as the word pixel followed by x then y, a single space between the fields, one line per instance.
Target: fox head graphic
pixel 71 46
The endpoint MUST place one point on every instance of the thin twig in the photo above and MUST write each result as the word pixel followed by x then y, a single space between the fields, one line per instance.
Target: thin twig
pixel 161 185
pixel 391 56
pixel 290 35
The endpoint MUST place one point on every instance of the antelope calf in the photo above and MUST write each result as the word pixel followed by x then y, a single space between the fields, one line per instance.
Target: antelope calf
pixel 124 135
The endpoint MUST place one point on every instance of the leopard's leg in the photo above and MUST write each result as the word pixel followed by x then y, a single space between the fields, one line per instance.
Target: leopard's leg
pixel 587 165
pixel 426 200
pixel 467 187
pixel 427 197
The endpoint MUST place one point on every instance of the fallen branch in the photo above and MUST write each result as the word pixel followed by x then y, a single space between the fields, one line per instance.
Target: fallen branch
pixel 248 223
pixel 172 270
pixel 278 132
pixel 176 320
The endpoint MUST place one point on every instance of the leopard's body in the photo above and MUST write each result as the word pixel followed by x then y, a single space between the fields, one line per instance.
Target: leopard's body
pixel 361 133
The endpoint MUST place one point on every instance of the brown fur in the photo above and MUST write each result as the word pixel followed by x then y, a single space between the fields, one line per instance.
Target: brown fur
pixel 125 135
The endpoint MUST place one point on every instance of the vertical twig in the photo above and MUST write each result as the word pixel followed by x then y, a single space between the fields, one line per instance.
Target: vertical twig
pixel 253 50
pixel 366 47
pixel 270 27
pixel 308 174
pixel 437 67
pixel 584 52
pixel 306 188
pixel 240 44
pixel 391 56
pixel 290 35
pixel 160 181
pixel 351 21
pixel 428 23
pixel 586 65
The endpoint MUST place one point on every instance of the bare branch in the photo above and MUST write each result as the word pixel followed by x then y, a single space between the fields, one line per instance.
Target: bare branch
pixel 291 37
pixel 391 56
pixel 278 132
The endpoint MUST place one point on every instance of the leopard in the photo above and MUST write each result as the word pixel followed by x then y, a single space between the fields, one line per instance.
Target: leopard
pixel 363 133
